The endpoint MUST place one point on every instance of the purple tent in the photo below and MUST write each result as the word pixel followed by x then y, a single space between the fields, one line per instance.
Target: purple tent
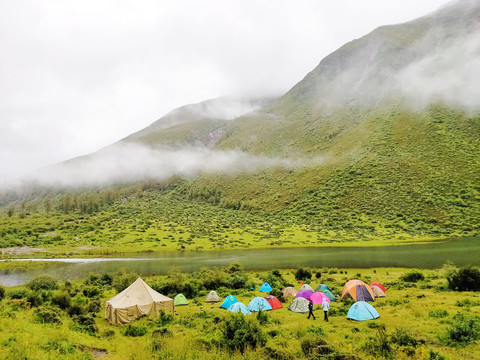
pixel 304 293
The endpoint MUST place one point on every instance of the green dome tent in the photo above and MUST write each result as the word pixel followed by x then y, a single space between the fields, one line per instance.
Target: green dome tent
pixel 180 300
pixel 329 294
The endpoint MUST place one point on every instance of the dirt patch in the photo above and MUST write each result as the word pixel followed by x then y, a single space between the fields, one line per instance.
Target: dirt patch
pixel 21 250
pixel 87 247
pixel 97 352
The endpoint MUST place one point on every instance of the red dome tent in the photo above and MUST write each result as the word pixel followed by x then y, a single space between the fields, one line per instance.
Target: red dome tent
pixel 274 302
pixel 376 283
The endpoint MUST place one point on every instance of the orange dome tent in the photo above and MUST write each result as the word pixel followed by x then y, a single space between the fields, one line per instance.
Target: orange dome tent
pixel 358 290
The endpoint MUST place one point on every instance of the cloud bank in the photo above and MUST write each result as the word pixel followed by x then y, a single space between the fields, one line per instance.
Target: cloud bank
pixel 129 162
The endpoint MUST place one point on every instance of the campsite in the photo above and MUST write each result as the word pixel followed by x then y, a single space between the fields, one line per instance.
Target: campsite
pixel 420 317
pixel 240 180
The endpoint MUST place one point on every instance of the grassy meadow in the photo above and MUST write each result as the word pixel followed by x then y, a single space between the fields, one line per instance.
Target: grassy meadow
pixel 420 318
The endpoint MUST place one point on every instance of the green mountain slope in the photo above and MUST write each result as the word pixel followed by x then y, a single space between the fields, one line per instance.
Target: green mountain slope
pixel 380 141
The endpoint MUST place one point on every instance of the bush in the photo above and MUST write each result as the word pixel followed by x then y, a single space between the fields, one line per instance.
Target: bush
pixel 134 330
pixel 18 294
pixel 123 281
pixel 464 279
pixel 106 279
pixel 433 355
pixel 43 282
pixel 164 318
pixel 278 294
pixel 463 331
pixel 2 293
pixel 275 279
pixel 413 276
pixel 62 300
pixel 263 318
pixel 438 313
pixel 403 337
pixel 85 323
pixel 380 344
pixel 91 292
pixel 93 306
pixel 76 309
pixel 47 315
pixel 34 299
pixel 303 274
pixel 240 333
pixel 316 348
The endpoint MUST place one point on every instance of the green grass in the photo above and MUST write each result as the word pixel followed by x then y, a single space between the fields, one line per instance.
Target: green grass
pixel 196 329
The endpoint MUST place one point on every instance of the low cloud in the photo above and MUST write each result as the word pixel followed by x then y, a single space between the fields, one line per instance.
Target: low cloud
pixel 449 75
pixel 130 162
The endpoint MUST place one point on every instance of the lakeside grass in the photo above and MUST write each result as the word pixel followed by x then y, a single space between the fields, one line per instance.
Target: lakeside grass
pixel 75 235
pixel 424 310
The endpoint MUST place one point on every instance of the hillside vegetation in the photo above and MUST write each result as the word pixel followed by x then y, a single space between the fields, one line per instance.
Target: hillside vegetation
pixel 363 148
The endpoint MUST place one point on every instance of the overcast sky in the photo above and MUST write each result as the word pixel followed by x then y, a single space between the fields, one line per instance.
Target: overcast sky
pixel 76 76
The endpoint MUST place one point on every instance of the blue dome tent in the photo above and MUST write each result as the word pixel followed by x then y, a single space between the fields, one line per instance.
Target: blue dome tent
pixel 265 287
pixel 239 307
pixel 361 311
pixel 229 300
pixel 259 304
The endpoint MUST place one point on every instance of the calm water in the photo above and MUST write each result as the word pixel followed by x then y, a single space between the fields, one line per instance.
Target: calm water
pixel 464 251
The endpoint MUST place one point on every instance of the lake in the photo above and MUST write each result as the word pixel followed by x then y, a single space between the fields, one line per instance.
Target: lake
pixel 462 251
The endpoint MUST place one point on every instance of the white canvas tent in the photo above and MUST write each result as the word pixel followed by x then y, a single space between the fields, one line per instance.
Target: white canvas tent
pixel 137 300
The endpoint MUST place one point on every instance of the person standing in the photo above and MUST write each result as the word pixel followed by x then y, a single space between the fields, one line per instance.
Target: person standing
pixel 325 307
pixel 310 310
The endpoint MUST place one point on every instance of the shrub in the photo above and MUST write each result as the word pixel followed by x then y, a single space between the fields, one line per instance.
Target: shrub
pixel 43 282
pixel 106 279
pixel 93 306
pixel 85 323
pixel 403 337
pixel 121 282
pixel 275 279
pixel 317 330
pixel 62 300
pixel 91 292
pixel 380 344
pixel 240 333
pixel 303 274
pixel 62 346
pixel 464 279
pixel 413 276
pixel 263 318
pixel 18 294
pixel 76 309
pixel 2 293
pixel 464 330
pixel 433 355
pixel 47 315
pixel 438 313
pixel 237 280
pixel 134 330
pixel 164 318
pixel 316 348
pixel 278 294
pixel 34 299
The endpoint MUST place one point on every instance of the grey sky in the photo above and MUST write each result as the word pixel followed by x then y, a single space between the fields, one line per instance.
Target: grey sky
pixel 78 75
